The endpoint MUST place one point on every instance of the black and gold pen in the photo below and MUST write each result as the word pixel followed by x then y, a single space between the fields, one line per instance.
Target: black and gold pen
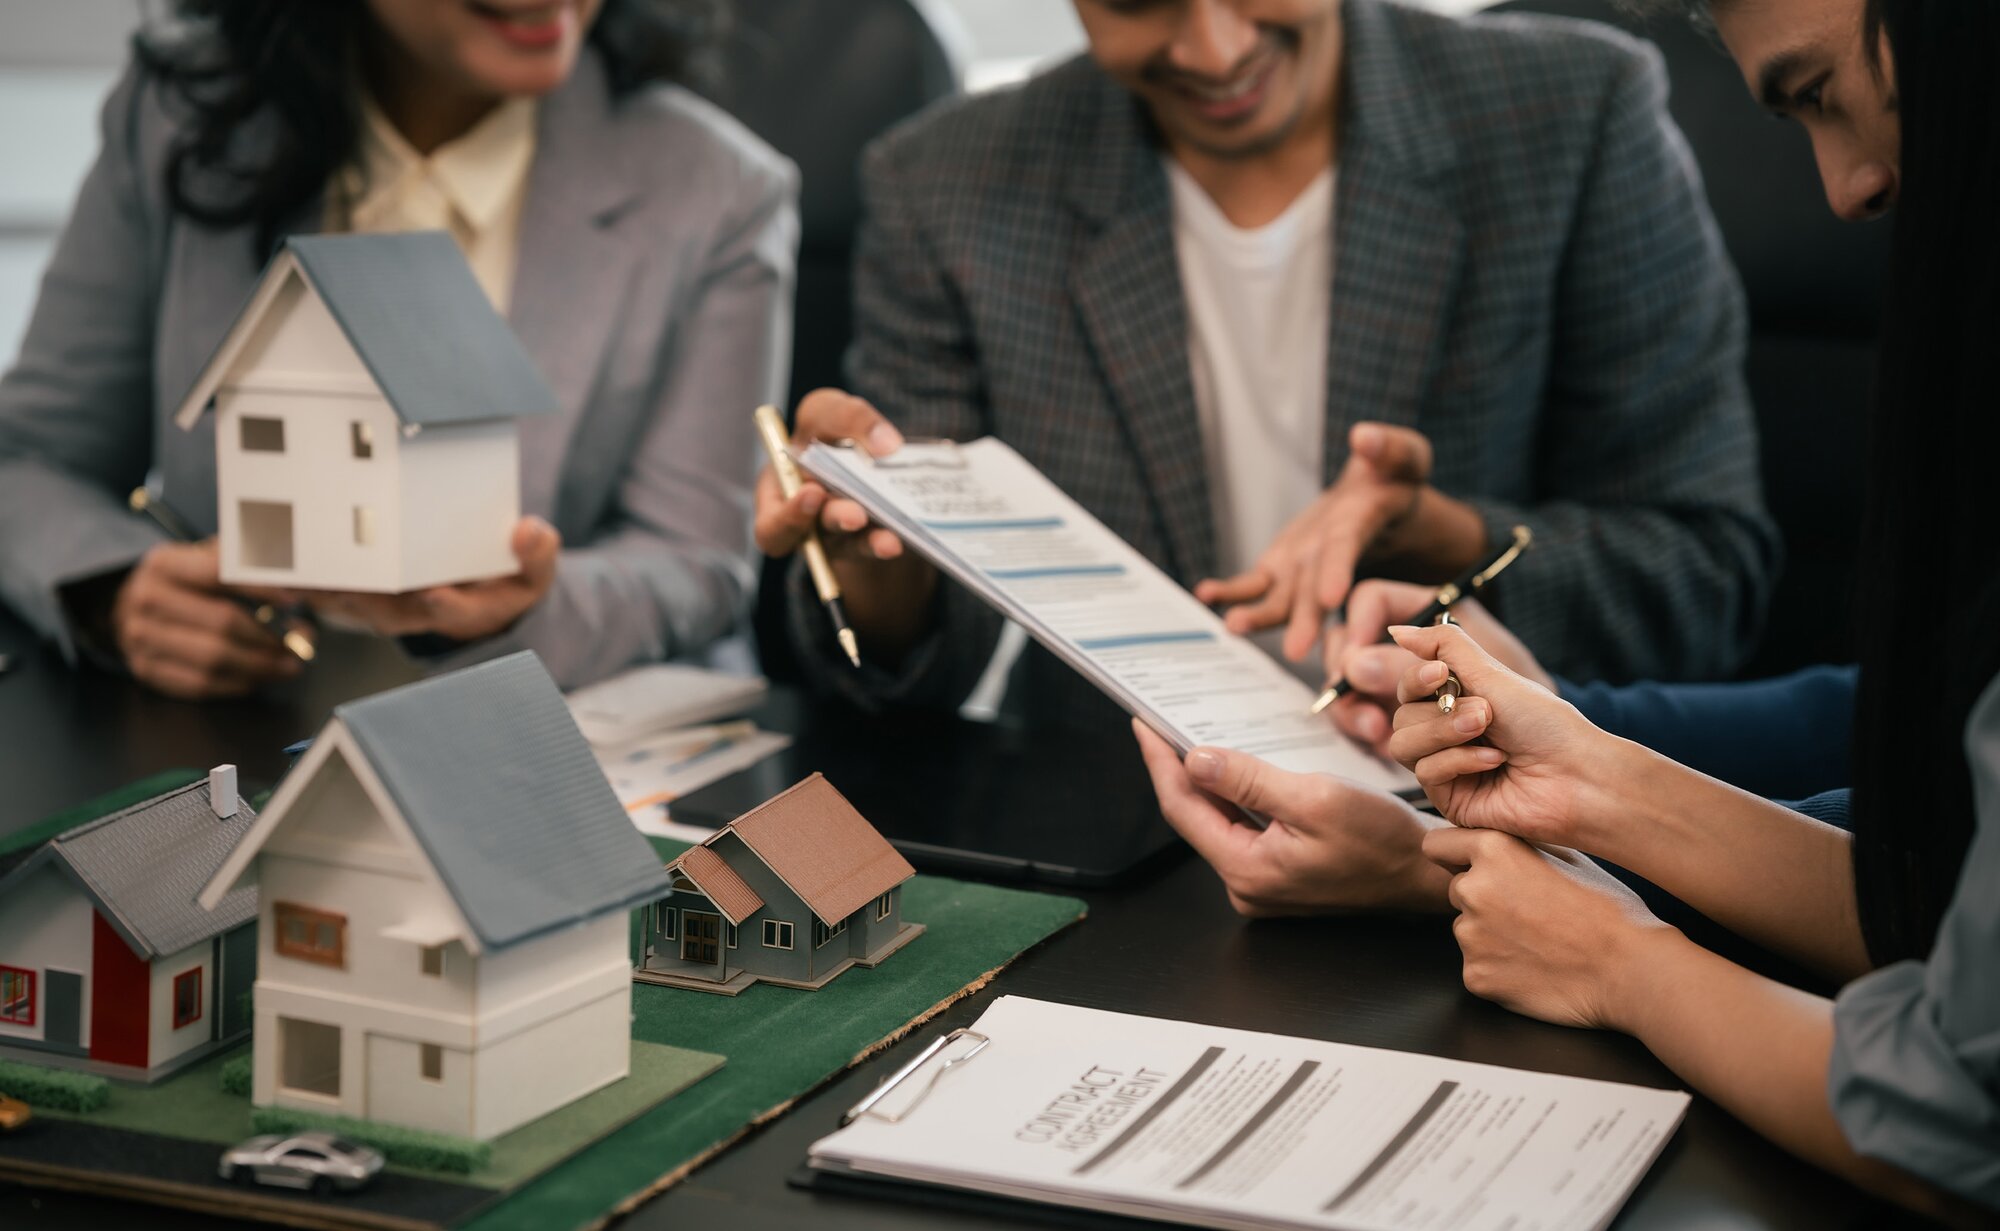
pixel 1466 585
pixel 777 443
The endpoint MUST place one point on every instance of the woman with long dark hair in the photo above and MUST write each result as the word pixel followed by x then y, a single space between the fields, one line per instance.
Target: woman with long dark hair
pixel 1894 1083
pixel 639 242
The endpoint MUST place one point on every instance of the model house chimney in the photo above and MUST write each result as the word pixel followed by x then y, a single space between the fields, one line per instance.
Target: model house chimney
pixel 222 791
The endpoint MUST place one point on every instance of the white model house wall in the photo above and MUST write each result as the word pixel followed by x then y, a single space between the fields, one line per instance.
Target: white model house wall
pixel 460 497
pixel 334 853
pixel 318 461
pixel 164 1040
pixel 555 1022
pixel 47 922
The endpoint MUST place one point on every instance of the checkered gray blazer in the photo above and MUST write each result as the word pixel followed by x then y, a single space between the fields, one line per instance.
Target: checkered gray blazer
pixel 1525 270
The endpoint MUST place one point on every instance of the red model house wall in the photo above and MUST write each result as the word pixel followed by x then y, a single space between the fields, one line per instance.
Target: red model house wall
pixel 120 998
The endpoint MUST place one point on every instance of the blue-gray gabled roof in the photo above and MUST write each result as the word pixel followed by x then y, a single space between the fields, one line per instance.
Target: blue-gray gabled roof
pixel 490 772
pixel 414 313
pixel 145 865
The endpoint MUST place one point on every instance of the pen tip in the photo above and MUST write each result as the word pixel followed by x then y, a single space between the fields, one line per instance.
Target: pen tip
pixel 1326 698
pixel 848 643
pixel 301 647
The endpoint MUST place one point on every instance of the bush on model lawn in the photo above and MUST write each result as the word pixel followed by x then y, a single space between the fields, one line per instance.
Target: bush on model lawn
pixel 410 1147
pixel 55 1089
pixel 235 1075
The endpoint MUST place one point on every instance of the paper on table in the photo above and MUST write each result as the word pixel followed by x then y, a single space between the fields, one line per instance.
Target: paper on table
pixel 995 524
pixel 1231 1128
pixel 660 698
pixel 648 776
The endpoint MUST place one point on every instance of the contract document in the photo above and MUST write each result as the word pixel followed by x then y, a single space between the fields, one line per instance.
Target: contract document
pixel 1230 1128
pixel 999 527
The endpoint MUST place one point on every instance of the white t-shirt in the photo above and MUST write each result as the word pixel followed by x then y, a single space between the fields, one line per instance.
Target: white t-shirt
pixel 1258 303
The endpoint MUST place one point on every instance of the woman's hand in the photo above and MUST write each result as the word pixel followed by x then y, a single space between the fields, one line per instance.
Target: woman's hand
pixel 1542 771
pixel 469 612
pixel 1330 846
pixel 1356 651
pixel 182 632
pixel 1381 509
pixel 1545 932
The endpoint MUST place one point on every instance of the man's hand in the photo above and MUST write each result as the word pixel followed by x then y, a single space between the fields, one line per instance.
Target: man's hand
pixel 466 612
pixel 1545 932
pixel 1382 511
pixel 886 589
pixel 1356 650
pixel 1329 847
pixel 181 633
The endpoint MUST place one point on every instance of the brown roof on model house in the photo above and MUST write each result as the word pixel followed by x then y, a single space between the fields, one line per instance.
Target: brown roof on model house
pixel 719 881
pixel 821 848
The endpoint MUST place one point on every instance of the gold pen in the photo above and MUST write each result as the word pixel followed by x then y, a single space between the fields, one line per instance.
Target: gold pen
pixel 1467 584
pixel 777 443
pixel 281 623
pixel 1448 692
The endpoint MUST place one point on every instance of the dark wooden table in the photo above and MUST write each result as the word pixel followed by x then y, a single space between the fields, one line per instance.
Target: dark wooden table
pixel 1168 947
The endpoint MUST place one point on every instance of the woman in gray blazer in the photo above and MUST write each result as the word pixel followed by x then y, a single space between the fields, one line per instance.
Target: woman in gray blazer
pixel 640 242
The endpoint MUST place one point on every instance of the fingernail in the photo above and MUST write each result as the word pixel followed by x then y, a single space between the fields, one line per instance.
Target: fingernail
pixel 811 499
pixel 1433 673
pixel 1366 673
pixel 1400 631
pixel 884 438
pixel 1469 720
pixel 1204 767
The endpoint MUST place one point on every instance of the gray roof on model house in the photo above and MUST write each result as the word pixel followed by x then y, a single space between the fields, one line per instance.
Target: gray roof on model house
pixel 409 305
pixel 490 773
pixel 145 865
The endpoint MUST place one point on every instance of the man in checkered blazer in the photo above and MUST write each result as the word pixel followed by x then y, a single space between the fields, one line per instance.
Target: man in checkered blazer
pixel 1524 274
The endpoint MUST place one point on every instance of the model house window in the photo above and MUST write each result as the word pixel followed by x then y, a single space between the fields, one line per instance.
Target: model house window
pixel 434 961
pixel 729 935
pixel 823 933
pixel 363 438
pixel 310 935
pixel 309 1057
pixel 17 996
pixel 364 525
pixel 433 1062
pixel 187 997
pixel 663 920
pixel 267 533
pixel 882 907
pixel 263 435
pixel 777 935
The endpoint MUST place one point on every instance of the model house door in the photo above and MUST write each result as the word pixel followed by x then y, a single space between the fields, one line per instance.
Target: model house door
pixel 62 992
pixel 699 935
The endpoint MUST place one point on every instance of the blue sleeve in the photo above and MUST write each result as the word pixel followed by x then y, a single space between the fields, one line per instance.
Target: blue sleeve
pixel 1784 738
pixel 1915 1077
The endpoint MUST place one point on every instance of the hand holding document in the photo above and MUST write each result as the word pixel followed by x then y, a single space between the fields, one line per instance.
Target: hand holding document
pixel 995 524
pixel 1232 1128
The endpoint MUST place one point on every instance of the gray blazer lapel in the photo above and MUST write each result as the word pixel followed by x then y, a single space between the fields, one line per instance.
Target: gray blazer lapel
pixel 1398 247
pixel 574 271
pixel 1127 290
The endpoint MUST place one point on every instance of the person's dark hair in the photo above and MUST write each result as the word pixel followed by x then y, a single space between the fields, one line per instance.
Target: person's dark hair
pixel 1930 602
pixel 266 87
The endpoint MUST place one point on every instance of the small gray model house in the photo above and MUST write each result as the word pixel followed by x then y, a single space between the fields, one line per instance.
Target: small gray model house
pixel 365 404
pixel 447 883
pixel 107 963
pixel 792 892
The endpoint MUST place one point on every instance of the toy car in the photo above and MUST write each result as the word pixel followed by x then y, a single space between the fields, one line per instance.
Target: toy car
pixel 316 1161
pixel 13 1113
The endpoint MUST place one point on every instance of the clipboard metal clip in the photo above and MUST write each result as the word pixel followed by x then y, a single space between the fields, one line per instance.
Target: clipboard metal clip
pixel 951 458
pixel 866 1107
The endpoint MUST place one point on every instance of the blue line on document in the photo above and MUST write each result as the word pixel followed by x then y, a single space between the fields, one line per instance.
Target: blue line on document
pixel 1075 570
pixel 1023 523
pixel 1119 643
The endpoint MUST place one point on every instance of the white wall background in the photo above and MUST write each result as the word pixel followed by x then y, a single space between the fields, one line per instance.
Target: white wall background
pixel 58 57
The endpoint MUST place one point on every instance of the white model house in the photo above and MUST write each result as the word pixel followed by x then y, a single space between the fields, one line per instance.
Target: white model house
pixel 445 879
pixel 365 405
pixel 106 962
